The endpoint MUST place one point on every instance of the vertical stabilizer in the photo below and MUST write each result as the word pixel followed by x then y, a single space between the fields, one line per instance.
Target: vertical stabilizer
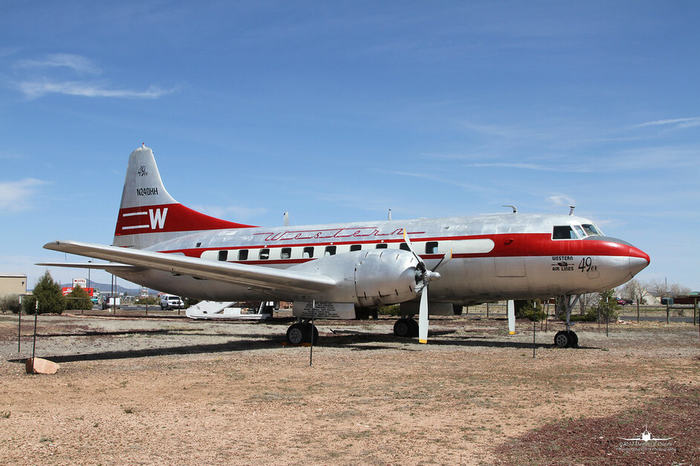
pixel 148 214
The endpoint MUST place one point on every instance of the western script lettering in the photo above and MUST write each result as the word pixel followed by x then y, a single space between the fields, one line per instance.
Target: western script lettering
pixel 157 218
pixel 146 191
pixel 328 234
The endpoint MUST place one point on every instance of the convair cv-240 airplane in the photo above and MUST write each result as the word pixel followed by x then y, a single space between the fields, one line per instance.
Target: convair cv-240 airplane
pixel 338 270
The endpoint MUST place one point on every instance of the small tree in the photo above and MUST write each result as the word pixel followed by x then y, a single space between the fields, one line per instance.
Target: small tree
pixel 634 291
pixel 78 299
pixel 607 305
pixel 658 288
pixel 585 302
pixel 49 295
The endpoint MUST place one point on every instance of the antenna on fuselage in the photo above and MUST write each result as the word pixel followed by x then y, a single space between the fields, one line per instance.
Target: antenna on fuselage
pixel 286 219
pixel 389 216
pixel 515 209
pixel 571 209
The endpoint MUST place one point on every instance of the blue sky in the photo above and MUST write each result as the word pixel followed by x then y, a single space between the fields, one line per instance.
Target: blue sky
pixel 338 111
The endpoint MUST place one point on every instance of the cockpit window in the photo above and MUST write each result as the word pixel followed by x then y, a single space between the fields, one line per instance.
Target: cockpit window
pixel 564 232
pixel 579 231
pixel 591 230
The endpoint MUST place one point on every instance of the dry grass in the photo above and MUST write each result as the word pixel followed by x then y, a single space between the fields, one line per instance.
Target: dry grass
pixel 176 391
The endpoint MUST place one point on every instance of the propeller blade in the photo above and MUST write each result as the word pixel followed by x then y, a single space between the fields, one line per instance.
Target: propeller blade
pixel 446 258
pixel 423 317
pixel 410 248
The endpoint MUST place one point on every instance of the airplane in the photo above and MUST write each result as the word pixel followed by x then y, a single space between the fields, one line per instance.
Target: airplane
pixel 344 270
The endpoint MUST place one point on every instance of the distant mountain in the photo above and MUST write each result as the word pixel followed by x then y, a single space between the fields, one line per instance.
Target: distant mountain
pixel 130 289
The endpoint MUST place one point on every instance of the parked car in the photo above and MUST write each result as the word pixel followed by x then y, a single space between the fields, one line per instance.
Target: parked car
pixel 169 301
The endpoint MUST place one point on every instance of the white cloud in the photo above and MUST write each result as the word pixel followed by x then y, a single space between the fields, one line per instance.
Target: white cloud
pixel 529 166
pixel 77 63
pixel 40 88
pixel 16 196
pixel 40 77
pixel 678 123
pixel 561 200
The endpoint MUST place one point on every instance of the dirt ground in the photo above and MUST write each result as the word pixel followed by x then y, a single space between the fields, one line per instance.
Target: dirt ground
pixel 176 391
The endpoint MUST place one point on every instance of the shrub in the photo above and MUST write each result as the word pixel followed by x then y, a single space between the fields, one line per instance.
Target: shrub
pixel 530 309
pixel 10 303
pixel 148 301
pixel 392 310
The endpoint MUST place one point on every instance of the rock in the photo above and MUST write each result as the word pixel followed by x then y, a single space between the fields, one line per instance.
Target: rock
pixel 41 366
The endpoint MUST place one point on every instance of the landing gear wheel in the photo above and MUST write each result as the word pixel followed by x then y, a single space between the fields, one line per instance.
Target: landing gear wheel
pixel 414 327
pixel 296 334
pixel 308 331
pixel 299 333
pixel 402 328
pixel 406 328
pixel 574 339
pixel 566 339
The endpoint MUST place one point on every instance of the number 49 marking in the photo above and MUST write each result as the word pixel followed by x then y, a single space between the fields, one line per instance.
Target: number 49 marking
pixel 587 265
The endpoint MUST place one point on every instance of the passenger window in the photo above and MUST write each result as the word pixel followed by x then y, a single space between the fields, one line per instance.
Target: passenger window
pixel 243 255
pixel 431 247
pixel 404 246
pixel 223 256
pixel 308 252
pixel 563 232
pixel 330 250
pixel 382 246
pixel 264 254
pixel 286 253
pixel 355 247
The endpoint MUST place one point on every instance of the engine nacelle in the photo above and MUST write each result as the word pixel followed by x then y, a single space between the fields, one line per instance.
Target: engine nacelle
pixel 385 276
pixel 369 278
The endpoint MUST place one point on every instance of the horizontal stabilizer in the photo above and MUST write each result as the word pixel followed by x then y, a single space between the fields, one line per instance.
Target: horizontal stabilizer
pixel 87 265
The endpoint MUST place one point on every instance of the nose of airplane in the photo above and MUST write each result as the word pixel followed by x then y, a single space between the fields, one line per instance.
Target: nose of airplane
pixel 639 260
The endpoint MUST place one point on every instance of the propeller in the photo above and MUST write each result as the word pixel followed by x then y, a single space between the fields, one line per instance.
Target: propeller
pixel 423 277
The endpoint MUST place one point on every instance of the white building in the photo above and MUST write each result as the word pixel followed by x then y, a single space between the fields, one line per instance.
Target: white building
pixel 13 284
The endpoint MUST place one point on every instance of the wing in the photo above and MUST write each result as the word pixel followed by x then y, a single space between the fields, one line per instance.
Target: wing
pixel 238 274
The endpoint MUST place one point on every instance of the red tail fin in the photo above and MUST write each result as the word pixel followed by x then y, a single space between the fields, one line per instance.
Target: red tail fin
pixel 148 214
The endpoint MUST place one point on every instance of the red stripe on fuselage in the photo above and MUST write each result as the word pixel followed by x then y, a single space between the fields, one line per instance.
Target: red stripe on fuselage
pixel 505 245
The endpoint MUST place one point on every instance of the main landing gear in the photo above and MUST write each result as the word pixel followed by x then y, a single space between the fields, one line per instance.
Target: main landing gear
pixel 301 332
pixel 406 328
pixel 566 338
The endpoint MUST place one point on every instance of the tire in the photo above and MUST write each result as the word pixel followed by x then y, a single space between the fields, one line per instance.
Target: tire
pixel 574 339
pixel 415 328
pixel 562 339
pixel 296 334
pixel 402 328
pixel 310 330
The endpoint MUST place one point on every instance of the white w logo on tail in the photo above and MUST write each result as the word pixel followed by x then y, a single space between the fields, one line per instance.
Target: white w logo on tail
pixel 157 218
